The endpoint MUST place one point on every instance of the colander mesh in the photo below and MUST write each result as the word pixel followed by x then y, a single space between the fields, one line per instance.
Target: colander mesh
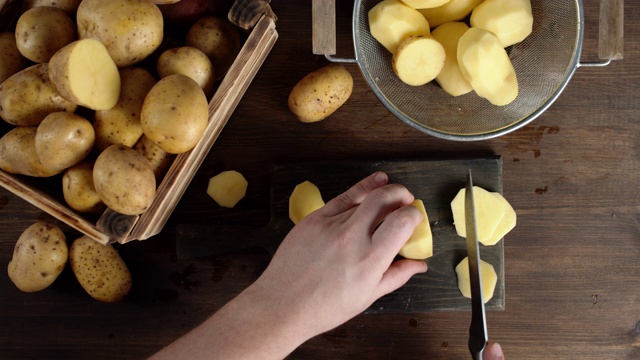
pixel 543 63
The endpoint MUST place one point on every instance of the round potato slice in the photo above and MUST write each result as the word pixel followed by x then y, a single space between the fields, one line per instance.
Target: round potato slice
pixel 418 60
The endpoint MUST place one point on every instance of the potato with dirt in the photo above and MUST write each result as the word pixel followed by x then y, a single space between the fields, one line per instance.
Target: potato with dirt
pixel 39 256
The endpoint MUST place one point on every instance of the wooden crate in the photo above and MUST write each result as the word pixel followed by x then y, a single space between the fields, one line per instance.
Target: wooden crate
pixel 252 16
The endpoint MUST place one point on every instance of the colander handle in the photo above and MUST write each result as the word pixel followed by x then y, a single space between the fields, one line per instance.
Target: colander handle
pixel 611 32
pixel 323 28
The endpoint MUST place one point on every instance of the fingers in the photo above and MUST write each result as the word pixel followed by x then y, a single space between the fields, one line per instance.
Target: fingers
pixel 355 195
pixel 379 205
pixel 398 274
pixel 394 232
pixel 493 351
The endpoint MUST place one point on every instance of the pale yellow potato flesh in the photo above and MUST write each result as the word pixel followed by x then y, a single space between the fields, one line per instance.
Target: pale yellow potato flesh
pixel 505 225
pixel 488 279
pixel 454 10
pixel 418 60
pixel 84 73
pixel 227 188
pixel 304 200
pixel 489 213
pixel 450 77
pixel 424 4
pixel 391 21
pixel 510 20
pixel 486 65
pixel 420 244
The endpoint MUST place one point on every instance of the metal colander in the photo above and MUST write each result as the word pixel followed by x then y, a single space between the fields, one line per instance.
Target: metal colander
pixel 544 63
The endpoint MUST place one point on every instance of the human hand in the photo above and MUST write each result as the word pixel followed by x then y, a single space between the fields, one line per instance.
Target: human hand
pixel 493 351
pixel 338 260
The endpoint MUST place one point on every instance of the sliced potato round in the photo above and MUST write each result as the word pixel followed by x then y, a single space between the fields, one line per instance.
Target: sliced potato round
pixel 488 279
pixel 418 60
pixel 304 200
pixel 227 188
pixel 391 21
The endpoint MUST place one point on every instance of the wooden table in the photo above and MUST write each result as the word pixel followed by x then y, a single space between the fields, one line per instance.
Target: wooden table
pixel 572 263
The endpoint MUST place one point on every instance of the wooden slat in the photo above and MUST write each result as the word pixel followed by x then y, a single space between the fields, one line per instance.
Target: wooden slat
pixel 611 42
pixel 323 27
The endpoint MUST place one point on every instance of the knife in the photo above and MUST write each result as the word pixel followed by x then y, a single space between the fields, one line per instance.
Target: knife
pixel 478 330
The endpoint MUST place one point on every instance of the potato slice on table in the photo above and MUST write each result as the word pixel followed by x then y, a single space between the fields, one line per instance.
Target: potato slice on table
pixel 418 59
pixel 391 21
pixel 84 74
pixel 488 279
pixel 304 200
pixel 454 10
pixel 510 20
pixel 450 77
pixel 227 188
pixel 420 244
pixel 486 65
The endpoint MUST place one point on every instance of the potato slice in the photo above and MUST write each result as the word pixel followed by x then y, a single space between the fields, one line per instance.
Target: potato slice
pixel 505 225
pixel 420 244
pixel 454 10
pixel 450 77
pixel 486 65
pixel 227 188
pixel 390 21
pixel 488 279
pixel 510 20
pixel 418 60
pixel 304 200
pixel 84 73
pixel 489 213
pixel 424 4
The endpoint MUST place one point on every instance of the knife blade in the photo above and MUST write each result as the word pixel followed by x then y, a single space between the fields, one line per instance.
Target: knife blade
pixel 478 330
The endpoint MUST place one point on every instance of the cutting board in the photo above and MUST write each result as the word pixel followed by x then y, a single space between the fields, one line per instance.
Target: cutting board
pixel 436 182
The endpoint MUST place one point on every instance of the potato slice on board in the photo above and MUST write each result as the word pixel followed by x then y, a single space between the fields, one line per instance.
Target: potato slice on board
pixel 489 213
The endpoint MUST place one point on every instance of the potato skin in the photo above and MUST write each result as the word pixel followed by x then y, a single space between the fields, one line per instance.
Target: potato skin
pixel 18 153
pixel 28 96
pixel 78 189
pixel 11 61
pixel 320 93
pixel 63 139
pixel 124 180
pixel 191 62
pixel 68 6
pixel 175 114
pixel 121 123
pixel 159 160
pixel 218 39
pixel 39 257
pixel 41 31
pixel 100 270
pixel 130 29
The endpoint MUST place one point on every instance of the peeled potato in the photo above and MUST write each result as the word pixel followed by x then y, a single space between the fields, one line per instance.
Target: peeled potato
pixel 488 279
pixel 450 77
pixel 304 200
pixel 505 225
pixel 510 20
pixel 227 188
pixel 490 211
pixel 454 10
pixel 418 59
pixel 84 73
pixel 420 244
pixel 390 21
pixel 486 65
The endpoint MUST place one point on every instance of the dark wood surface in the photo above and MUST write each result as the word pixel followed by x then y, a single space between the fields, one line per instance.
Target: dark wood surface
pixel 572 264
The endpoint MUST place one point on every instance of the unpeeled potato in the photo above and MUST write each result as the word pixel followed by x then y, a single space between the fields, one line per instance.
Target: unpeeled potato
pixel 78 189
pixel 42 31
pixel 63 139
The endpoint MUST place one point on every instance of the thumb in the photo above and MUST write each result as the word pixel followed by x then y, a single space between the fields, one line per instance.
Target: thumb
pixel 493 351
pixel 398 273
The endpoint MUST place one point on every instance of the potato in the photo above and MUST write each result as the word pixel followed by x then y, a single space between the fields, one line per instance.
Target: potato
pixel 185 12
pixel 18 153
pixel 124 180
pixel 42 31
pixel 418 59
pixel 487 67
pixel 510 20
pixel 11 61
pixel 454 10
pixel 450 77
pixel 488 279
pixel 191 62
pixel 494 215
pixel 68 6
pixel 175 114
pixel 84 73
pixel 130 29
pixel 391 21
pixel 424 4
pixel 78 189
pixel 159 160
pixel 320 93
pixel 218 39
pixel 304 200
pixel 420 244
pixel 100 270
pixel 121 123
pixel 39 257
pixel 227 188
pixel 63 139
pixel 28 96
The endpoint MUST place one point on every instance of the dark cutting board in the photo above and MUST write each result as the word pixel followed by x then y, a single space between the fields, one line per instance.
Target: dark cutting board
pixel 436 182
